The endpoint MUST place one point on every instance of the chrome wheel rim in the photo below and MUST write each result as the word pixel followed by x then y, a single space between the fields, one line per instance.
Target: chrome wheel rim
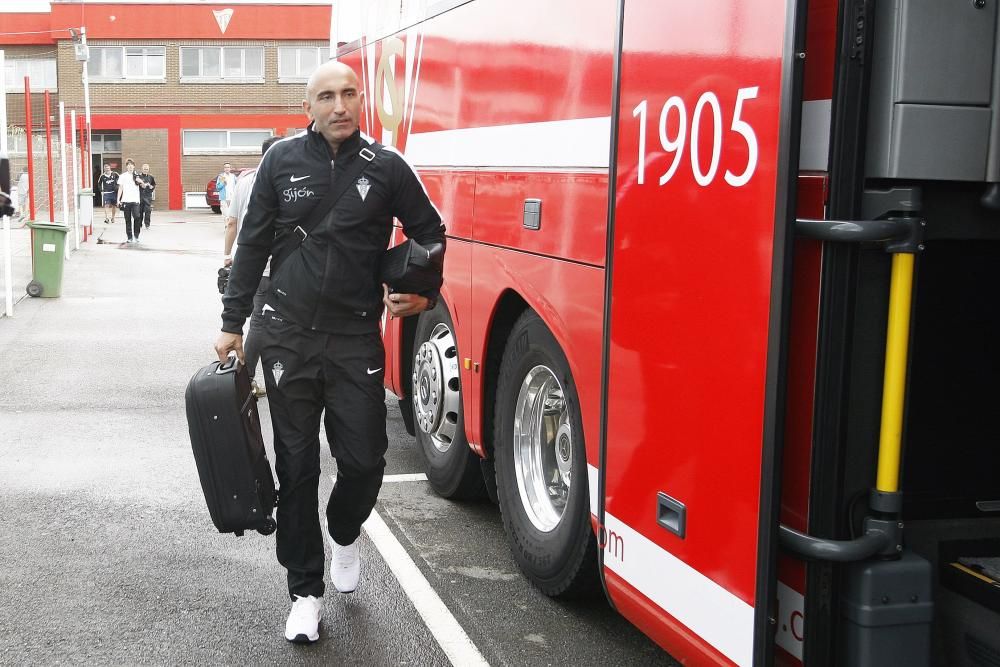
pixel 543 448
pixel 435 387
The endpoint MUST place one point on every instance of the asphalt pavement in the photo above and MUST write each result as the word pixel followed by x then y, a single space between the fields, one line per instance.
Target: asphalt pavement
pixel 108 555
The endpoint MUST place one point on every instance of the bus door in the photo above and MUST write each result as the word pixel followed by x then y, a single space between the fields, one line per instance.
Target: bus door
pixel 702 187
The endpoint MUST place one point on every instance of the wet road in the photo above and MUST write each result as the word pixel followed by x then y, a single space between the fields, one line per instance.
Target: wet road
pixel 108 555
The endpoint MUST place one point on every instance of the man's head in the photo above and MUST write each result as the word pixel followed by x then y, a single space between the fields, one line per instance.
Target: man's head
pixel 145 168
pixel 107 169
pixel 333 102
pixel 267 144
pixel 226 168
pixel 129 165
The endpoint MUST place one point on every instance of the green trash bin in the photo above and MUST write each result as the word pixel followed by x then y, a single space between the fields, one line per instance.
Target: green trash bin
pixel 47 252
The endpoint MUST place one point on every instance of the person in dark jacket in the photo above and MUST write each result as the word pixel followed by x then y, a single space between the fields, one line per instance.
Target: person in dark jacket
pixel 321 345
pixel 107 185
pixel 147 184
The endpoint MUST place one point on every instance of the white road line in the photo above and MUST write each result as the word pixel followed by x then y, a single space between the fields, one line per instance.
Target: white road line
pixel 406 477
pixel 446 630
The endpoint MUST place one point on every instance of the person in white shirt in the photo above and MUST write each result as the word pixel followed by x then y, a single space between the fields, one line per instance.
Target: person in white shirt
pixel 128 199
pixel 237 210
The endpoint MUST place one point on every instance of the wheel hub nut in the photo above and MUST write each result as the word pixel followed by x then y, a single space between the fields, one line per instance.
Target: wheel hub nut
pixel 564 447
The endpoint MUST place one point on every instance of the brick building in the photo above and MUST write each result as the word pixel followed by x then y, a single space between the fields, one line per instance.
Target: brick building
pixel 182 86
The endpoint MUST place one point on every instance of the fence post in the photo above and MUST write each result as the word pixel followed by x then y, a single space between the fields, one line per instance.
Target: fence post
pixel 76 180
pixel 48 157
pixel 30 127
pixel 8 288
pixel 62 163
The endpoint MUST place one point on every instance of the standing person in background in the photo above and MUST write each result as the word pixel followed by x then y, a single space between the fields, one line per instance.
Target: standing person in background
pixel 237 210
pixel 108 185
pixel 225 184
pixel 128 197
pixel 146 184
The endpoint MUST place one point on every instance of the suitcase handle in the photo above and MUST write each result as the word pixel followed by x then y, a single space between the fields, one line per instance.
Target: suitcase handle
pixel 227 365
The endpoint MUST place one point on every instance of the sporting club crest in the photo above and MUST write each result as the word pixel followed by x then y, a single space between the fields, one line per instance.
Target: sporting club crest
pixel 363 187
pixel 277 370
pixel 222 17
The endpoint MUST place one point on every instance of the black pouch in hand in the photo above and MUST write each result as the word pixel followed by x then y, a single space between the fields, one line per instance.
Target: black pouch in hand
pixel 410 268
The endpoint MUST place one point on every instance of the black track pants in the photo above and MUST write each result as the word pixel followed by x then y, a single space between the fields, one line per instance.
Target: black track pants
pixel 251 347
pixel 306 372
pixel 133 225
pixel 145 211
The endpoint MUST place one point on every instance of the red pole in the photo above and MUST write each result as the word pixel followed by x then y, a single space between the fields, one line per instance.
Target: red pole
pixel 85 138
pixel 84 167
pixel 29 126
pixel 83 161
pixel 48 155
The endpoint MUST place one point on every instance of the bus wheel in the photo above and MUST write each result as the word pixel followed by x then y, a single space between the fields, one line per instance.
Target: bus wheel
pixel 453 469
pixel 541 463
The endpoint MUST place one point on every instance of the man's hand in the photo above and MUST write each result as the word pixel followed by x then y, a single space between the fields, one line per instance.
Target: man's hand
pixel 229 342
pixel 403 305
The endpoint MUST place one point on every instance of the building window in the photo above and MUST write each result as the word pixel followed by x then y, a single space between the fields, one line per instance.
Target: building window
pixel 222 63
pixel 223 142
pixel 105 142
pixel 40 71
pixel 297 63
pixel 127 62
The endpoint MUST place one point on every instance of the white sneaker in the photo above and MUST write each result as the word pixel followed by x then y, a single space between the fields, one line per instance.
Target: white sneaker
pixel 345 567
pixel 302 626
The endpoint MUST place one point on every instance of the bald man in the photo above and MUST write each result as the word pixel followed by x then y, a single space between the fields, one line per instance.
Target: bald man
pixel 322 209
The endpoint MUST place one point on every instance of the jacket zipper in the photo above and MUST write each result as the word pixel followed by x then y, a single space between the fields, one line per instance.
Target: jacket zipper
pixel 326 263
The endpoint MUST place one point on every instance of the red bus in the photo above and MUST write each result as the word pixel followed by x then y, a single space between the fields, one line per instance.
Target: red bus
pixel 718 328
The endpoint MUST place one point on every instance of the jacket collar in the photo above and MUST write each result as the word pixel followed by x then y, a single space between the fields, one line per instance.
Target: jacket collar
pixel 349 147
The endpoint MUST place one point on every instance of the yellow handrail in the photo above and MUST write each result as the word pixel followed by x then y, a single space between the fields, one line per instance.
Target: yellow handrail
pixel 894 384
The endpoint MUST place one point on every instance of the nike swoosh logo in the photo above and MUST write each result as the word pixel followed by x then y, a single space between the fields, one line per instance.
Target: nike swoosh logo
pixel 293 179
pixel 373 372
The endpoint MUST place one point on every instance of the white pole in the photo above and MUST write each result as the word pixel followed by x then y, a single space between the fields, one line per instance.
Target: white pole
pixel 62 161
pixel 76 180
pixel 86 102
pixel 8 279
pixel 3 110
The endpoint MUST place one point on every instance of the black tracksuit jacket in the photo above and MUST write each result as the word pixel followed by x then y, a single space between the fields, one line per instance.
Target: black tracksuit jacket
pixel 330 282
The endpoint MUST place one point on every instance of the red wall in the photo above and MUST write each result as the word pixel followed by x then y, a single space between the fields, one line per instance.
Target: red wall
pixel 37 25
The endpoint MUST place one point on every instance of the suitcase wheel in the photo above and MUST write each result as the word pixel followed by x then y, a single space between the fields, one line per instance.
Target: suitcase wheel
pixel 269 526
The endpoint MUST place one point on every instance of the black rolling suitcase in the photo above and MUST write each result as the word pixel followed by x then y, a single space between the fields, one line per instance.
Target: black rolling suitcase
pixel 229 450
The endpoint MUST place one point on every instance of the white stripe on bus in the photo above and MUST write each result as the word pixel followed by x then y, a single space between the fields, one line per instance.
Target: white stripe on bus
pixel 581 143
pixel 709 610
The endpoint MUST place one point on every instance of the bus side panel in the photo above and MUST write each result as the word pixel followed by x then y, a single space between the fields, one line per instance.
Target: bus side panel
pixel 683 645
pixel 569 297
pixel 695 317
pixel 573 220
pixel 454 194
pixel 515 62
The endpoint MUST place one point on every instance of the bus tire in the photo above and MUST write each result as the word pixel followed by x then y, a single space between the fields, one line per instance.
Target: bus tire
pixel 546 512
pixel 452 467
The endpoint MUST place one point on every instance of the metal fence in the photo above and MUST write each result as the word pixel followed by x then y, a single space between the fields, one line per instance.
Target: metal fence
pixel 54 181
